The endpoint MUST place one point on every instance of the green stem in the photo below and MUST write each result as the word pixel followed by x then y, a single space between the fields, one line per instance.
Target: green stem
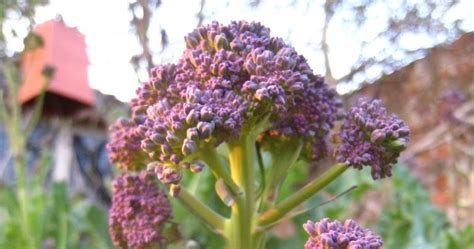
pixel 281 209
pixel 215 220
pixel 283 157
pixel 242 157
pixel 216 164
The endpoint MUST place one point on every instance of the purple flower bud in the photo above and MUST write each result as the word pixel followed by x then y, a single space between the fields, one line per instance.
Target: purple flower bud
pixel 189 146
pixel 171 137
pixel 236 45
pixel 166 149
pixel 370 136
pixel 377 136
pixel 174 159
pixel 192 134
pixel 332 234
pixel 220 42
pixel 192 118
pixel 196 167
pixel 309 228
pixel 205 129
pixel 206 114
pixel 168 175
pixel 191 41
pixel 148 145
pixel 157 138
pixel 175 189
pixel 136 202
pixel 249 86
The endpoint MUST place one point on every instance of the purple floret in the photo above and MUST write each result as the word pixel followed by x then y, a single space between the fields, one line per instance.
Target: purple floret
pixel 230 79
pixel 371 136
pixel 125 144
pixel 327 234
pixel 139 211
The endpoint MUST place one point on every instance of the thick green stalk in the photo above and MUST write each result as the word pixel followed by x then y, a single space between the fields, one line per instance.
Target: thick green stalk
pixel 242 157
pixel 280 210
pixel 215 220
pixel 215 163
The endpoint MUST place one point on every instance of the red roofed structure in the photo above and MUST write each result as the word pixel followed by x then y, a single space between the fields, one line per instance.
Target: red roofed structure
pixel 64 49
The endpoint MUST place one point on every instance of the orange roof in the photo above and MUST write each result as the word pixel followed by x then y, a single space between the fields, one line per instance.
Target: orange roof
pixel 63 48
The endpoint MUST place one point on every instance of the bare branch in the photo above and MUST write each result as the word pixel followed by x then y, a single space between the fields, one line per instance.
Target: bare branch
pixel 200 14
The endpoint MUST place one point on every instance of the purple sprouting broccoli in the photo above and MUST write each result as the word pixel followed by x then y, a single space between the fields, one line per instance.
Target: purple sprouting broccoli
pixel 139 211
pixel 371 136
pixel 327 234
pixel 237 86
pixel 125 146
pixel 230 80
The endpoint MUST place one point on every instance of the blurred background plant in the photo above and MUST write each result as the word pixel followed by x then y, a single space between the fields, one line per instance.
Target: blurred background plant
pixel 35 212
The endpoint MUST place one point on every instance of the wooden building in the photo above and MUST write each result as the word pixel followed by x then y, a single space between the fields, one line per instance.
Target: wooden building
pixel 74 121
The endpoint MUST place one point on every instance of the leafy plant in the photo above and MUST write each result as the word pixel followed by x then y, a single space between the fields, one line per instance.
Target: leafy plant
pixel 33 213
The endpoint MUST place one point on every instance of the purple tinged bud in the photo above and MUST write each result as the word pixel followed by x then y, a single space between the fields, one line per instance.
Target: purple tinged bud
pixel 342 240
pixel 202 31
pixel 186 165
pixel 210 36
pixel 192 134
pixel 191 41
pixel 166 149
pixel 309 228
pixel 349 224
pixel 177 126
pixel 260 70
pixel 193 95
pixel 218 93
pixel 196 167
pixel 322 226
pixel 157 138
pixel 332 234
pixel 122 122
pixel 220 42
pixel 261 94
pixel 174 159
pixel 189 146
pixel 148 145
pixel 377 136
pixel 222 71
pixel 174 190
pixel 354 245
pixel 326 241
pixel 192 117
pixel 296 87
pixel 249 86
pixel 205 129
pixel 236 45
pixel 169 176
pixel 171 137
pixel 250 67
pixel 206 114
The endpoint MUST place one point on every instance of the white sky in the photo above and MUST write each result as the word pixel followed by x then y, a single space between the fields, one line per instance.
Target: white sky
pixel 106 26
